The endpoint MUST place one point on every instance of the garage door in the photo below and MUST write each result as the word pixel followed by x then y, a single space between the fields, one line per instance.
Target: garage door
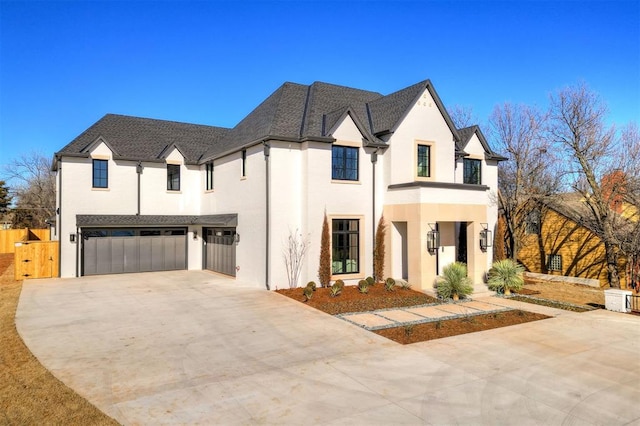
pixel 117 251
pixel 220 250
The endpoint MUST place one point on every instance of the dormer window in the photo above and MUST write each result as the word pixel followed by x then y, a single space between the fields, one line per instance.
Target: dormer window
pixel 100 173
pixel 472 171
pixel 173 177
pixel 344 163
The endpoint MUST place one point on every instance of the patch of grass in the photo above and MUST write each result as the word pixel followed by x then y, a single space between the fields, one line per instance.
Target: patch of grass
pixel 29 394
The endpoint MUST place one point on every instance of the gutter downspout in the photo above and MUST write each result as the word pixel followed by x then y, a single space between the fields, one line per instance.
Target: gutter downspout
pixel 59 212
pixel 267 148
pixel 139 172
pixel 374 160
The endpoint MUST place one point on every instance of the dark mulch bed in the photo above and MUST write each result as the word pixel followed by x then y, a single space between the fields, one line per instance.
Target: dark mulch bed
pixel 351 300
pixel 446 328
pixel 553 304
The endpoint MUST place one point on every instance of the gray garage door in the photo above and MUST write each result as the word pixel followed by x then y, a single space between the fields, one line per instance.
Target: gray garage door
pixel 117 251
pixel 220 250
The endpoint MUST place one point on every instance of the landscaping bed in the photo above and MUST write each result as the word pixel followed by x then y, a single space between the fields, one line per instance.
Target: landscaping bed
pixel 414 333
pixel 552 303
pixel 351 300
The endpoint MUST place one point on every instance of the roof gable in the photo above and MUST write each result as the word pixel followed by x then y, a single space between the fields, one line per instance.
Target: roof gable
pixel 467 133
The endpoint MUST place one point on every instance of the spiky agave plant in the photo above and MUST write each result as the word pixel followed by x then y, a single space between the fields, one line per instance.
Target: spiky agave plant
pixel 363 286
pixel 454 281
pixel 505 275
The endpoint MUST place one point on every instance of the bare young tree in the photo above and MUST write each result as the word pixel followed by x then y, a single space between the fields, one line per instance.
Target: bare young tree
pixel 462 116
pixel 528 176
pixel 591 152
pixel 34 188
pixel 294 253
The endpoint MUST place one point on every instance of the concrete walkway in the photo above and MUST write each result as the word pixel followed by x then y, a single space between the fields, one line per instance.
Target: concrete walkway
pixel 191 348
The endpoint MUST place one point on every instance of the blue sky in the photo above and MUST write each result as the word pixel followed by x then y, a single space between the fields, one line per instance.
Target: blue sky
pixel 63 65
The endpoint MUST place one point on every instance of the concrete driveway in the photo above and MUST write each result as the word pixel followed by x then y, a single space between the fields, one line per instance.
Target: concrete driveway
pixel 189 347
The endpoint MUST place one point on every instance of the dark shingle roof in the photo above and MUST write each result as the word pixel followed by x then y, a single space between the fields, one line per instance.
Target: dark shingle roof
pixel 465 136
pixel 146 139
pixel 294 112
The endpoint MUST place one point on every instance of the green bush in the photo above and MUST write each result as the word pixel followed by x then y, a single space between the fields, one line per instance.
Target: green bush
pixel 335 289
pixel 505 275
pixel 339 283
pixel 454 282
pixel 312 285
pixel 363 286
pixel 390 284
pixel 370 280
pixel 308 293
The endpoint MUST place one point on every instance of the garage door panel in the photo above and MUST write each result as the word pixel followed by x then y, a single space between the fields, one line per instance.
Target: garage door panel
pixel 129 252
pixel 221 251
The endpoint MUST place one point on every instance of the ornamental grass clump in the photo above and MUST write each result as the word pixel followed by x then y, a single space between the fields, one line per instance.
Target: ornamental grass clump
pixel 505 275
pixel 390 284
pixel 370 280
pixel 363 286
pixel 454 282
pixel 336 288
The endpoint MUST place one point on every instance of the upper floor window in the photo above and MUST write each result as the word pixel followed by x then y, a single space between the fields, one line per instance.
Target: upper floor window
pixel 424 161
pixel 173 177
pixel 209 176
pixel 100 174
pixel 472 171
pixel 345 239
pixel 344 163
pixel 244 163
pixel 533 222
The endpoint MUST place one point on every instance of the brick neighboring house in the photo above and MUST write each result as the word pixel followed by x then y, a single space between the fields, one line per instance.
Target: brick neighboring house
pixel 137 194
pixel 559 240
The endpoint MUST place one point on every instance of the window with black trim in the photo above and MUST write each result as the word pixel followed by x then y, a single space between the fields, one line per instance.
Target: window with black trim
pixel 100 174
pixel 472 172
pixel 554 262
pixel 344 163
pixel 424 161
pixel 345 240
pixel 244 163
pixel 173 177
pixel 209 176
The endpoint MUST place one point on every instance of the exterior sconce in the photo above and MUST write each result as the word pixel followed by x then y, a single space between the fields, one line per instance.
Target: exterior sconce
pixel 433 238
pixel 236 238
pixel 195 235
pixel 485 237
pixel 72 238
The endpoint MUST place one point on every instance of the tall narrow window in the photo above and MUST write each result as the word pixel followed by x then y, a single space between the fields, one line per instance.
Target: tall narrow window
pixel 173 177
pixel 209 176
pixel 244 163
pixel 424 158
pixel 472 171
pixel 344 163
pixel 100 174
pixel 346 246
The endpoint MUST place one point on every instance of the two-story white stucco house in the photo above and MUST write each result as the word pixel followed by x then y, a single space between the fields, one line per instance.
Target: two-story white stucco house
pixel 137 194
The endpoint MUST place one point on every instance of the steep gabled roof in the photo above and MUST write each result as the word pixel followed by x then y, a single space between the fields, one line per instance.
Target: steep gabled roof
pixel 465 136
pixel 145 139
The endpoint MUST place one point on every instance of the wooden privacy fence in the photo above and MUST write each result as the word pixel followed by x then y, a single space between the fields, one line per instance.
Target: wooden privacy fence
pixel 8 237
pixel 36 259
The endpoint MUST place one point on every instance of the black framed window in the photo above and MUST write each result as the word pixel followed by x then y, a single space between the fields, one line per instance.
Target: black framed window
pixel 100 174
pixel 554 262
pixel 424 161
pixel 344 163
pixel 345 242
pixel 209 176
pixel 244 163
pixel 173 177
pixel 472 171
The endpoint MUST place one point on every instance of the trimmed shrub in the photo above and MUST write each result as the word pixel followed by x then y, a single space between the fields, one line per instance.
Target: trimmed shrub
pixel 454 282
pixel 370 280
pixel 505 275
pixel 308 293
pixel 312 284
pixel 379 250
pixel 335 289
pixel 324 269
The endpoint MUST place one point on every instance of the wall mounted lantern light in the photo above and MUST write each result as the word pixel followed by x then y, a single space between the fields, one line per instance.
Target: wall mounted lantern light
pixel 485 237
pixel 195 235
pixel 236 238
pixel 433 238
